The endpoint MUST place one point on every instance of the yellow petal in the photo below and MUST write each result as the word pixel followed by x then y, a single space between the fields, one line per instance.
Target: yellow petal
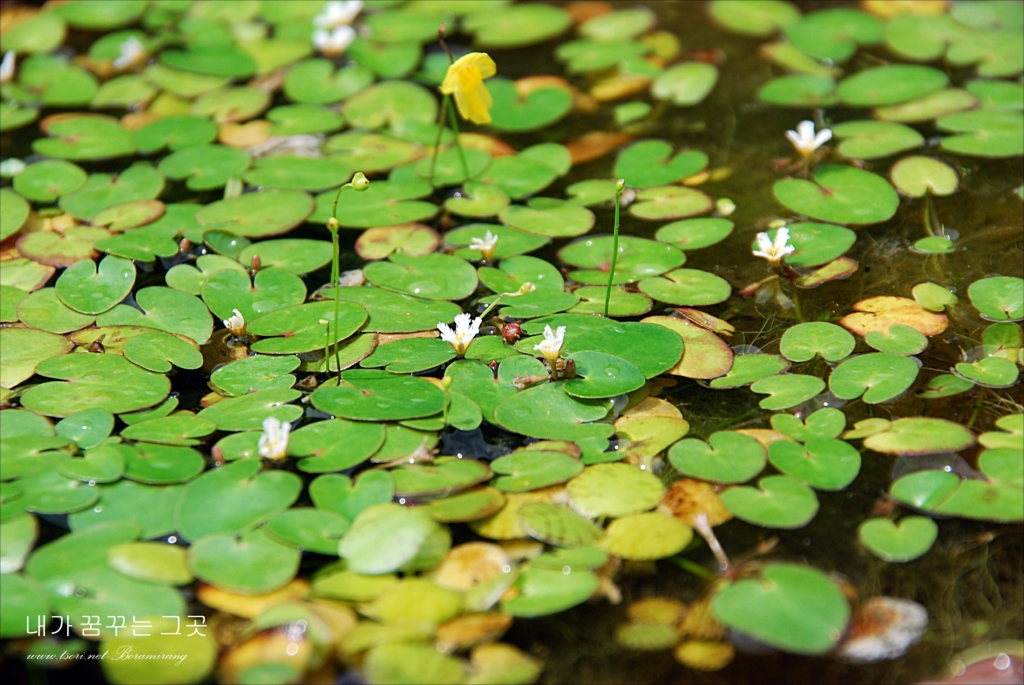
pixel 472 97
pixel 479 61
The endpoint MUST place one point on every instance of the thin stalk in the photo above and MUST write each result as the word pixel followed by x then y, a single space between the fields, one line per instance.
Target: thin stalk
pixel 492 305
pixel 796 304
pixel 437 141
pixel 332 226
pixel 693 567
pixel 929 211
pixel 615 244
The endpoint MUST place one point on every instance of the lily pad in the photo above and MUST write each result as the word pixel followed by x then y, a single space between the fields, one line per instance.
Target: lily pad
pixel 800 90
pixel 835 34
pixel 543 592
pixel 646 164
pixel 912 538
pixel 998 298
pixel 873 139
pixel 705 355
pixel 840 194
pixel 991 372
pixel 920 436
pixel 983 133
pixel 25 349
pixel 410 355
pixel 890 85
pixel 638 258
pixel 433 276
pixel 384 537
pixel 899 339
pixel 918 176
pixel 882 312
pixel 652 349
pixel 670 202
pixel 549 217
pixel 517 112
pixel 546 411
pixel 297 328
pixel 731 458
pixel 205 167
pixel 94 380
pixel 384 203
pixel 650 535
pixel 516 25
pixel 621 302
pixel 695 234
pixel 753 17
pixel 371 395
pixel 777 502
pixel 252 564
pixel 928 107
pixel 614 490
pixel 92 289
pixel 166 309
pixel 690 287
pixel 602 375
pixel 272 289
pixel 945 385
pixel 247 412
pixel 787 390
pixel 257 215
pixel 685 84
pixel 391 312
pixel 83 137
pixel 791 607
pixel 823 463
pixel 802 342
pixel 533 469
pixel 876 377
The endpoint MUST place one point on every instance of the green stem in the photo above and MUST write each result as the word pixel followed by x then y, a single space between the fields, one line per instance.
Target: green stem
pixel 335 273
pixel 796 304
pixel 615 245
pixel 437 141
pixel 693 567
pixel 492 306
pixel 929 210
pixel 455 126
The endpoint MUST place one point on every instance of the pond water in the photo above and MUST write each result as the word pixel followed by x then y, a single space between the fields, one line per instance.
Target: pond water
pixel 970 580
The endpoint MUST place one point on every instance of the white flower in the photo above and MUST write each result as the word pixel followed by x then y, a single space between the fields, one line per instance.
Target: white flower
pixel 466 328
pixel 338 13
pixel 132 50
pixel 333 42
pixel 552 344
pixel 236 324
pixel 776 251
pixel 7 67
pixel 485 245
pixel 804 139
pixel 274 441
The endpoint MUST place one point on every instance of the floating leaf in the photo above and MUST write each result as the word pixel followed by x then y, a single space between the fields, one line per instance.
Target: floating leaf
pixel 840 194
pixel 685 84
pixel 919 436
pixel 646 163
pixel 882 312
pixel 777 502
pixel 998 298
pixel 94 380
pixel 823 463
pixel 912 538
pixel 731 458
pixel 432 276
pixel 917 176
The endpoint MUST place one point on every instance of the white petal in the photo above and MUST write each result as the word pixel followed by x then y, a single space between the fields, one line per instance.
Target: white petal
pixel 764 243
pixel 806 130
pixel 824 136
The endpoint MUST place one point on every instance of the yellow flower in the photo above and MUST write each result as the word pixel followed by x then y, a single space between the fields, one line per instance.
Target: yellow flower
pixel 465 80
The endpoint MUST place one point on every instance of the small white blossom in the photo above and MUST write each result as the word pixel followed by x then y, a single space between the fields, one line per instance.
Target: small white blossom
pixel 776 251
pixel 236 324
pixel 7 67
pixel 132 50
pixel 466 328
pixel 351 279
pixel 804 139
pixel 338 13
pixel 274 441
pixel 551 346
pixel 486 246
pixel 9 168
pixel 333 42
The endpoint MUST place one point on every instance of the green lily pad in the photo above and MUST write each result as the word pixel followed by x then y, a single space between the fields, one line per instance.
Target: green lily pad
pixel 1014 427
pixel 731 458
pixel 997 94
pixel 234 498
pixel 983 133
pixel 638 258
pixel 705 355
pixel 252 564
pixel 87 428
pixel 83 137
pixel 257 215
pixel 393 103
pixel 787 390
pixel 156 464
pixel 990 372
pixel 750 368
pixel 153 561
pixel 414 239
pixel 434 276
pixel 56 249
pixel 802 342
pixel 800 90
pixel 873 139
pixel 165 309
pixel 791 607
pixel 371 395
pixel 919 436
pixel 149 507
pixel 687 287
pixel 205 167
pixel 778 502
pixel 695 234
pixel 45 181
pixel 900 339
pixel 259 372
pixel 10 298
pixel 533 469
pixel 602 375
pixel 13 115
pixel 391 312
pixel 272 289
pixel 685 84
pixel 386 60
pixel 335 445
pixel 546 411
pixel 543 592
pixel 841 195
pixel 558 525
pixel 211 60
pixel 20 533
pixel 315 81
pixel 297 255
pixel 51 80
pixel 945 385
pixel 878 376
pixel 646 164
pixel 101 464
pixel 928 107
pixel 410 355
pixel 549 217
pixel 24 350
pixel 470 505
pixel 170 430
pixel 516 25
pixel 385 537
pixel 650 535
pixel 595 55
pixel 175 133
pixel 100 191
pixel 248 412
pixel 651 348
pixel 835 34
pixel 309 529
pixel 370 152
pixel 94 380
pixel 384 203
pixel 912 538
pixel 444 475
pixel 823 463
pixel 299 173
pixel 293 120
pixel 14 213
pixel 890 85
pixel 753 17
pixel 337 493
pixel 918 176
pixel 670 202
pixel 621 303
pixel 404 662
pixel 92 290
pixel 614 490
pixel 998 298
pixel 515 113
pixel 618 25
pixel 19 422
pixel 129 215
pixel 298 329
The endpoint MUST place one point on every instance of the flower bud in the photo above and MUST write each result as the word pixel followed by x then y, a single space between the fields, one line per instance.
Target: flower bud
pixel 360 182
pixel 619 185
pixel 332 224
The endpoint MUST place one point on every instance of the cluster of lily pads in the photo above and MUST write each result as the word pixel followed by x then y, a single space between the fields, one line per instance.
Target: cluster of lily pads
pixel 305 500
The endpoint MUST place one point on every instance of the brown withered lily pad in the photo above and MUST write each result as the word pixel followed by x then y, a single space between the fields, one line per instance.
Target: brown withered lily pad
pixel 879 313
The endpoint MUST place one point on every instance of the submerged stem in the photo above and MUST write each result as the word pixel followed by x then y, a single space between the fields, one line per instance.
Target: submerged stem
pixel 929 212
pixel 619 185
